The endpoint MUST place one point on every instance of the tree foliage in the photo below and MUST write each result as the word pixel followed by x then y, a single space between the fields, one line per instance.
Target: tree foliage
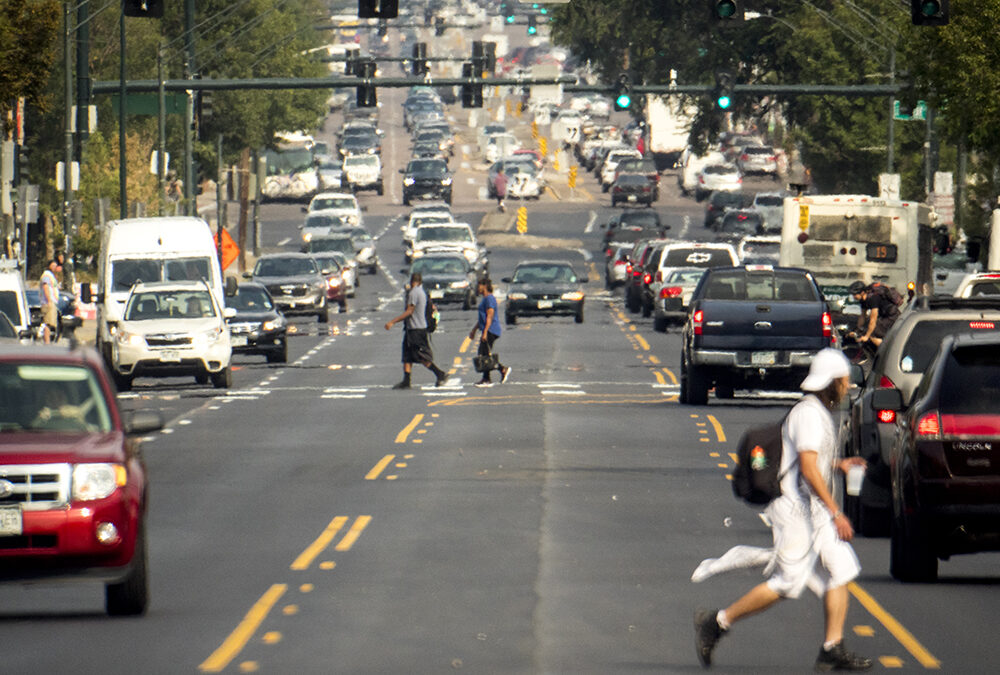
pixel 28 31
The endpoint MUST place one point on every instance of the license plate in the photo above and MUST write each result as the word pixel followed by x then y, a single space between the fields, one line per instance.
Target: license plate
pixel 170 355
pixel 437 294
pixel 763 358
pixel 631 198
pixel 10 521
pixel 239 340
pixel 544 304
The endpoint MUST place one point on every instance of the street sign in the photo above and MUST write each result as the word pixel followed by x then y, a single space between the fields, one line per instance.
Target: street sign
pixel 230 251
pixel 803 217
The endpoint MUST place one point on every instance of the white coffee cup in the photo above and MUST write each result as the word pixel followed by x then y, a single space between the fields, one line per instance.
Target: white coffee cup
pixel 855 475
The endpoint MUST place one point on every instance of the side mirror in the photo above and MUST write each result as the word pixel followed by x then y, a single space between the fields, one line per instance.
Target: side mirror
pixel 584 279
pixel 247 275
pixel 305 209
pixel 506 280
pixel 887 399
pixel 142 422
pixel 231 286
pixel 229 312
pixel 86 294
pixel 857 376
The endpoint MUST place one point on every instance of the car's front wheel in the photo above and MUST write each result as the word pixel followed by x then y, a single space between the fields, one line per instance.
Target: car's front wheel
pixel 223 379
pixel 130 596
pixel 279 355
pixel 911 558
pixel 511 319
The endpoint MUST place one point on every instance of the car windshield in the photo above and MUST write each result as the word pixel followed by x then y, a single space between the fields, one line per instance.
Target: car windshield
pixel 369 161
pixel 152 305
pixel 328 263
pixel 285 267
pixel 321 203
pixel 429 166
pixel 544 274
pixel 925 339
pixel 760 285
pixel 361 237
pixel 288 161
pixel 51 398
pixel 769 200
pixel 321 220
pixel 330 166
pixel 339 244
pixel 640 218
pixel 686 277
pixel 718 169
pixel 250 299
pixel 632 179
pixel 127 272
pixel 724 199
pixel 439 266
pixel 436 233
pixel 7 330
pixel 970 384
pixel 741 223
pixel 9 304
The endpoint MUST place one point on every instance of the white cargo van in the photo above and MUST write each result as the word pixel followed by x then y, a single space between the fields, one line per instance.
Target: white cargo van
pixel 13 301
pixel 174 248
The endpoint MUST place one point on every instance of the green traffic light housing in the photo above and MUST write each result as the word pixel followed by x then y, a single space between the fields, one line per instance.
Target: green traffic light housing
pixel 532 25
pixel 623 92
pixel 724 82
pixel 726 9
pixel 929 12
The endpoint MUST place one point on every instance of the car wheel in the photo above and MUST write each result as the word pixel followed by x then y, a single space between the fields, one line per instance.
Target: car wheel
pixel 123 382
pixel 660 324
pixel 201 378
pixel 579 315
pixel 605 187
pixel 647 310
pixel 406 200
pixel 910 557
pixel 279 355
pixel 343 306
pixel 223 379
pixel 130 596
pixel 379 190
pixel 697 387
pixel 511 319
pixel 322 316
pixel 467 302
pixel 614 202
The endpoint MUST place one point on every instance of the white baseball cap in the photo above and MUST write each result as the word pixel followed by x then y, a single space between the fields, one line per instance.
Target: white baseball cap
pixel 828 365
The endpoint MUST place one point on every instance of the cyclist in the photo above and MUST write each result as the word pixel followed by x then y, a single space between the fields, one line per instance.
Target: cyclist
pixel 878 312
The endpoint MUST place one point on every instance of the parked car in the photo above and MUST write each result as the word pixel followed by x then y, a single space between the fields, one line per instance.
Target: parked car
pixel 172 329
pixel 718 178
pixel 257 327
pixel 426 179
pixel 447 277
pixel 632 188
pixel 944 477
pixel 900 363
pixel 73 503
pixel 544 288
pixel 294 282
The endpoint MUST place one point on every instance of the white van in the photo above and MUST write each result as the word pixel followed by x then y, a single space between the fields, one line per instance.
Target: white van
pixel 13 300
pixel 174 248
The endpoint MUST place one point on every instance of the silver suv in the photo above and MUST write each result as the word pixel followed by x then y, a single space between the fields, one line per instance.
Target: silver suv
pixel 904 355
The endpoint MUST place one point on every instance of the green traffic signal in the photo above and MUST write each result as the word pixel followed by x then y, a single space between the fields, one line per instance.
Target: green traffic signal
pixel 532 26
pixel 725 9
pixel 723 102
pixel 623 101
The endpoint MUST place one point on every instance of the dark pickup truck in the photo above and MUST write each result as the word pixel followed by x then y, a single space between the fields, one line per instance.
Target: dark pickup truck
pixel 752 327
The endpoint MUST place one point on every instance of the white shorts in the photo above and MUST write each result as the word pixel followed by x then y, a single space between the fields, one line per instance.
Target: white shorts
pixel 808 551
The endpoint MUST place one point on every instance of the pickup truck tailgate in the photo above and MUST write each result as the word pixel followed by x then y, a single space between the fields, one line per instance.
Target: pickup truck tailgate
pixel 730 324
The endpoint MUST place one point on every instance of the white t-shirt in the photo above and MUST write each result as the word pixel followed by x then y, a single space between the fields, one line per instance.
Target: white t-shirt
pixel 808 427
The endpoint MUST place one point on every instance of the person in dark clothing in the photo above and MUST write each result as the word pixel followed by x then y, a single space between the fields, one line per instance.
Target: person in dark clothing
pixel 416 345
pixel 878 312
pixel 489 323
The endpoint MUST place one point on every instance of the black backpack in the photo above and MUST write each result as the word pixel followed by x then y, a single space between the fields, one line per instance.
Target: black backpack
pixel 756 478
pixel 430 316
pixel 889 293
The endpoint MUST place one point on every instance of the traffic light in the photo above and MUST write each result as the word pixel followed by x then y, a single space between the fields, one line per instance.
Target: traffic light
pixel 929 12
pixel 420 65
pixel 723 90
pixel 726 9
pixel 438 26
pixel 507 11
pixel 490 49
pixel 148 9
pixel 382 28
pixel 204 106
pixel 532 25
pixel 378 9
pixel 623 92
pixel 472 91
pixel 366 90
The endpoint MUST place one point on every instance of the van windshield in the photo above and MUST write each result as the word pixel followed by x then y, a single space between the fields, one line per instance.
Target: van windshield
pixel 10 306
pixel 126 273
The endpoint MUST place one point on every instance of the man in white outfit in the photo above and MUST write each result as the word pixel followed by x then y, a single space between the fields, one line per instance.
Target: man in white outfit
pixel 811 533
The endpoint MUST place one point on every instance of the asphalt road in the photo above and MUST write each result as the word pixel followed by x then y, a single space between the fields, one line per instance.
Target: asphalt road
pixel 312 520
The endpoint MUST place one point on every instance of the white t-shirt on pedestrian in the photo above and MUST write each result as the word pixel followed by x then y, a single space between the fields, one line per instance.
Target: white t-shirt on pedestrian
pixel 808 427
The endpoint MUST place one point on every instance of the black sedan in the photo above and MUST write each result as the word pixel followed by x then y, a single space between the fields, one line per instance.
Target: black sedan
pixel 447 277
pixel 258 327
pixel 544 288
pixel 632 188
pixel 427 179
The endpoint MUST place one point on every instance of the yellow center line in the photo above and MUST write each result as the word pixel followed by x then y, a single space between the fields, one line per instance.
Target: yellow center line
pixel 465 345
pixel 669 373
pixel 642 341
pixel 401 436
pixel 655 361
pixel 360 523
pixel 718 428
pixel 904 636
pixel 659 377
pixel 379 468
pixel 322 541
pixel 238 639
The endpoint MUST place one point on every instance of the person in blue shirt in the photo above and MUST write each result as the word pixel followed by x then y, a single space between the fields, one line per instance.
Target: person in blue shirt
pixel 489 325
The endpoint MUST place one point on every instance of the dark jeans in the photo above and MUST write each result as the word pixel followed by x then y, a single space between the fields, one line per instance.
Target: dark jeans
pixel 485 348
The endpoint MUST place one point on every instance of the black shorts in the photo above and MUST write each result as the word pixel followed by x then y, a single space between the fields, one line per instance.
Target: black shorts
pixel 882 326
pixel 416 346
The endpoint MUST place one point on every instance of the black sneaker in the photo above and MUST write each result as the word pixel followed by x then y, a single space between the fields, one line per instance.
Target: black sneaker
pixel 838 658
pixel 706 634
pixel 441 381
pixel 401 385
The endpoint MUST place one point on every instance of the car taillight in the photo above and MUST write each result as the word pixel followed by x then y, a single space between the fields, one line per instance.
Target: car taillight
pixel 670 291
pixel 886 416
pixel 647 279
pixel 929 425
pixel 636 272
pixel 827 325
pixel 697 320
pixel 744 157
pixel 886 383
pixel 628 268
pixel 981 325
pixel 622 262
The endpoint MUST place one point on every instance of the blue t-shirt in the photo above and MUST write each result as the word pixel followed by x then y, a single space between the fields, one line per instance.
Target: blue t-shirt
pixel 484 304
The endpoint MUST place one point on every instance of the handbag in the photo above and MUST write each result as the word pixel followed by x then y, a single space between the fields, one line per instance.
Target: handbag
pixel 484 363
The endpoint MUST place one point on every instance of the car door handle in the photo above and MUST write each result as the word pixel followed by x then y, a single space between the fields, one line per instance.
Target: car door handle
pixel 762 325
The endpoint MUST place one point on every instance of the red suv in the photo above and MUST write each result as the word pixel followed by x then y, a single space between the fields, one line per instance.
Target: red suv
pixel 72 482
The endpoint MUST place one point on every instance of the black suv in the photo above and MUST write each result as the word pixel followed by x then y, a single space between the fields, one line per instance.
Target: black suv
pixel 899 364
pixel 945 458
pixel 426 179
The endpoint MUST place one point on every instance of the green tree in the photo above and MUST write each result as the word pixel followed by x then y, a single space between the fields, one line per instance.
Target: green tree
pixel 28 31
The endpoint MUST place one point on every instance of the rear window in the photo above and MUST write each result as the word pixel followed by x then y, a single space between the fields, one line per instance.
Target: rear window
pixel 926 337
pixel 970 383
pixel 697 257
pixel 777 286
pixel 769 200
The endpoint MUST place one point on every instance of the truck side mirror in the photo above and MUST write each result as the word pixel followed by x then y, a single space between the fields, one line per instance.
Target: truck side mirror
pixel 231 286
pixel 86 295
